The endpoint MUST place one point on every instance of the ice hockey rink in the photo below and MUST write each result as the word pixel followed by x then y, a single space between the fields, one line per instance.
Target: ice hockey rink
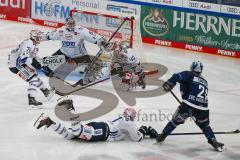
pixel 20 140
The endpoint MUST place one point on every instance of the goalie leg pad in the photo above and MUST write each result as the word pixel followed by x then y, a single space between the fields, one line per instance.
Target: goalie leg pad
pixel 54 61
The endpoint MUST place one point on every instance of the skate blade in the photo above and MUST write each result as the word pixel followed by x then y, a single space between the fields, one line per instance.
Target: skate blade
pixel 220 149
pixel 32 107
pixel 36 123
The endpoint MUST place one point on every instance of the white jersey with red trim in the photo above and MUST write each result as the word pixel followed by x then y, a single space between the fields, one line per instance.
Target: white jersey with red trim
pixel 124 56
pixel 23 54
pixel 73 41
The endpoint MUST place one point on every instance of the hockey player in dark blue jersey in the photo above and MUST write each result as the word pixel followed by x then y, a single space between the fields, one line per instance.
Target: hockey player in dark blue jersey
pixel 194 90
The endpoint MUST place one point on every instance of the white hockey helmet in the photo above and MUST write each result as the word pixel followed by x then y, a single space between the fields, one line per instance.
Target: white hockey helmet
pixel 129 114
pixel 70 23
pixel 124 45
pixel 35 35
pixel 112 46
pixel 197 67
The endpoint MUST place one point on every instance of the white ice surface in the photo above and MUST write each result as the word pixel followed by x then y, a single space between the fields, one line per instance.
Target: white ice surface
pixel 20 140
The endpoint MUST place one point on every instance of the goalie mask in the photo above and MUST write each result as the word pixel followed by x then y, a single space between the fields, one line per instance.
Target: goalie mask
pixel 129 114
pixel 35 35
pixel 70 24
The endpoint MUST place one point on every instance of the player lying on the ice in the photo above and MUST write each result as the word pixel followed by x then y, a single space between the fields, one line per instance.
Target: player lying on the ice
pixel 114 130
pixel 126 64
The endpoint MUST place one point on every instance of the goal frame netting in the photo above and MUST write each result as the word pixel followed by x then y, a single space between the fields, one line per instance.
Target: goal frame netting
pixel 132 25
pixel 110 14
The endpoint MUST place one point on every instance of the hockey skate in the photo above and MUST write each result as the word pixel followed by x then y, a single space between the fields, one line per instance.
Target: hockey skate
pixel 33 103
pixel 43 120
pixel 48 93
pixel 161 137
pixel 217 145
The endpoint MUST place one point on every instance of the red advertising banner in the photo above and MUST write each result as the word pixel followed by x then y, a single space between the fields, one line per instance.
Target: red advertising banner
pixel 17 10
pixel 197 48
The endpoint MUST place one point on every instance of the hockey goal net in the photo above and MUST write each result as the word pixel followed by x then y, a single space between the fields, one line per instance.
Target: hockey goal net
pixel 105 23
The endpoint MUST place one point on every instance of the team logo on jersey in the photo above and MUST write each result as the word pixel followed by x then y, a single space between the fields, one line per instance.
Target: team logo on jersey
pixel 98 132
pixel 68 44
pixel 68 36
pixel 155 24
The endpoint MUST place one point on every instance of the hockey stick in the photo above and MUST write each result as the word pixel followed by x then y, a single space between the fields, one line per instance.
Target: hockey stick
pixel 100 52
pixel 68 93
pixel 147 73
pixel 237 131
pixel 173 94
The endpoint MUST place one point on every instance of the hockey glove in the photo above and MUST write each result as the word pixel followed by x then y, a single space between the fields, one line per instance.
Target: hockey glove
pixel 36 64
pixel 152 132
pixel 143 130
pixel 167 86
pixel 47 71
pixel 103 43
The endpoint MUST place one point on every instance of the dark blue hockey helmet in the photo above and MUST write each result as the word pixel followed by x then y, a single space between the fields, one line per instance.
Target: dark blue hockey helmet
pixel 197 67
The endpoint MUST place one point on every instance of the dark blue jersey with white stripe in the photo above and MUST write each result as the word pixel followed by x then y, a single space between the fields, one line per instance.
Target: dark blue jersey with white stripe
pixel 194 89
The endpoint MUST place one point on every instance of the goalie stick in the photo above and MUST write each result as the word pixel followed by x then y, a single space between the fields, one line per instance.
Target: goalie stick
pixel 101 50
pixel 151 72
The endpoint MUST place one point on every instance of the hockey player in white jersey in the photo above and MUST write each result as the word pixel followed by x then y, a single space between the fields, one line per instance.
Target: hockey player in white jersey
pixel 23 61
pixel 72 38
pixel 123 127
pixel 126 64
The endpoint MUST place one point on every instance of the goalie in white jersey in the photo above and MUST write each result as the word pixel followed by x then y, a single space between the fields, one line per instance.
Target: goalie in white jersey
pixel 121 128
pixel 23 61
pixel 72 38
